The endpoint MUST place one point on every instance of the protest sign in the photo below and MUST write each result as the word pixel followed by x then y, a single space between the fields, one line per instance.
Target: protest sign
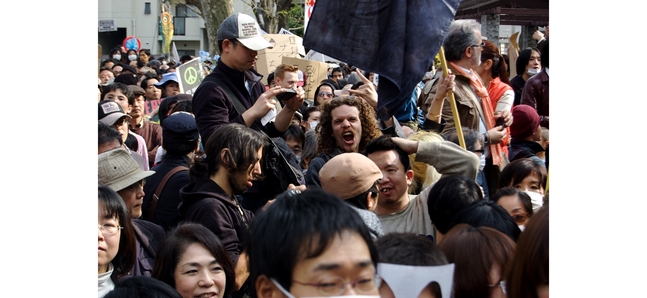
pixel 190 75
pixel 313 71
pixel 284 45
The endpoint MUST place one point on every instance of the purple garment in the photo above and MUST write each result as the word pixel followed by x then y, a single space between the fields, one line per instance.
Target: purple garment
pixel 397 39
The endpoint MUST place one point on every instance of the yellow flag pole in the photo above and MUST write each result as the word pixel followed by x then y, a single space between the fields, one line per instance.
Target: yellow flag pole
pixel 452 101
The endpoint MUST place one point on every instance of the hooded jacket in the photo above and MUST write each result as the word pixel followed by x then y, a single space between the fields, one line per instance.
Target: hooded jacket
pixel 206 203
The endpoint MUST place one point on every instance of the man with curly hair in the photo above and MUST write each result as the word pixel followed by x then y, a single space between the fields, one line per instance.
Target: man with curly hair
pixel 346 124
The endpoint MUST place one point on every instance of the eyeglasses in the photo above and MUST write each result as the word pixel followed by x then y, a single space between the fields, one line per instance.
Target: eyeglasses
pixel 479 45
pixel 499 284
pixel 135 186
pixel 337 285
pixel 109 229
pixel 520 218
pixel 325 94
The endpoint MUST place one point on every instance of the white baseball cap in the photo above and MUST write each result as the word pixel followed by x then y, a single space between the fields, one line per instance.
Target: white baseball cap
pixel 245 29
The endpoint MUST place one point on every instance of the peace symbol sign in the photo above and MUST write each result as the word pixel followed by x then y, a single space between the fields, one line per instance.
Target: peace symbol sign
pixel 190 75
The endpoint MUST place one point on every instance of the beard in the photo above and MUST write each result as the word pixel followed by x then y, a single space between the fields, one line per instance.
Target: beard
pixel 238 183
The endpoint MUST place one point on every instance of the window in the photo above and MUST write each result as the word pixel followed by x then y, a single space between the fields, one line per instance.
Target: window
pixel 182 11
pixel 147 8
pixel 178 26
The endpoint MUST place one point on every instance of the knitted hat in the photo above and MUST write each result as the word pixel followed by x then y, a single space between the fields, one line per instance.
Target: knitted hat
pixel 118 170
pixel 525 121
pixel 349 174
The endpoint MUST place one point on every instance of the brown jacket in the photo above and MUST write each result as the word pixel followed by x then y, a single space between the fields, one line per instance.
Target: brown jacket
pixel 467 103
pixel 152 134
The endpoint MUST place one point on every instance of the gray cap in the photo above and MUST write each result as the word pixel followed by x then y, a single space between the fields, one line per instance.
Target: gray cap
pixel 245 29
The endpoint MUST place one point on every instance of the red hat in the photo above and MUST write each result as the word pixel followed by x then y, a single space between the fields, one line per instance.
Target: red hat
pixel 525 121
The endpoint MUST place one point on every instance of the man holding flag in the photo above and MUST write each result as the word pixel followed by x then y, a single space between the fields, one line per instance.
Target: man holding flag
pixel 462 48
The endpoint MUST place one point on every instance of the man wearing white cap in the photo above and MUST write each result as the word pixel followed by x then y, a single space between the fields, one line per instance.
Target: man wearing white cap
pixel 239 39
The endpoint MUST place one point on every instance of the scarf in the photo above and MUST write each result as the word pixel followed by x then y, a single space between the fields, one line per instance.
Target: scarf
pixel 495 89
pixel 488 111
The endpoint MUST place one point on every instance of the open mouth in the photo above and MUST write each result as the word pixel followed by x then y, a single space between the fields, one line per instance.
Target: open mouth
pixel 348 137
pixel 386 191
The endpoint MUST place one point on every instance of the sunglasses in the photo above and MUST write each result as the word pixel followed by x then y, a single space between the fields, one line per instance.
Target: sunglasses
pixel 520 218
pixel 325 94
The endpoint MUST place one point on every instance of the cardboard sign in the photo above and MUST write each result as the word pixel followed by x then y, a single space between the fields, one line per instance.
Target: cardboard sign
pixel 314 72
pixel 190 75
pixel 284 45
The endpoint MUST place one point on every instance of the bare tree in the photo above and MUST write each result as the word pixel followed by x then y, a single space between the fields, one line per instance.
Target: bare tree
pixel 271 14
pixel 213 12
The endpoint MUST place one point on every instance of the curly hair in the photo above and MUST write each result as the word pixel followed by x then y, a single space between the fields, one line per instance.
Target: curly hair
pixel 370 130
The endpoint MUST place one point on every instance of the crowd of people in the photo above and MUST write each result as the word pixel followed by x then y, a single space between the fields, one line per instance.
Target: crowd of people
pixel 248 189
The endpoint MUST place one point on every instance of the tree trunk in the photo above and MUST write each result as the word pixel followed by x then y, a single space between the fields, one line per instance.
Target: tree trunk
pixel 213 13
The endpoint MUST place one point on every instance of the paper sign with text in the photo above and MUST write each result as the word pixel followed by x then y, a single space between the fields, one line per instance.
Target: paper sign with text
pixel 314 72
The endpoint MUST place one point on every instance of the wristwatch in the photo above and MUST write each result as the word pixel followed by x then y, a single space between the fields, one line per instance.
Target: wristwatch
pixel 486 139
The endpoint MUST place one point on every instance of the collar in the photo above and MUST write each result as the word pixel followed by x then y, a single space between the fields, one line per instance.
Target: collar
pixel 532 145
pixel 140 124
pixel 237 76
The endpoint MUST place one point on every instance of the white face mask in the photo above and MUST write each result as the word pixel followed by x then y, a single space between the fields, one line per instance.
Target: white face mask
pixel 118 57
pixel 290 295
pixel 532 71
pixel 482 162
pixel 313 124
pixel 164 62
pixel 132 57
pixel 522 227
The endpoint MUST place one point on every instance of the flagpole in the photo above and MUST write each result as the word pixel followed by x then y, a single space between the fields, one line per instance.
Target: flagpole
pixel 452 100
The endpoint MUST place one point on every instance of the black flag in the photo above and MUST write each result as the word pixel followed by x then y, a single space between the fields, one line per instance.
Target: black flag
pixel 397 39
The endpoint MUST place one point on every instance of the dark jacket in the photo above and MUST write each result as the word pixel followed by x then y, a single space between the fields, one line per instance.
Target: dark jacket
pixel 149 236
pixel 312 175
pixel 166 212
pixel 206 203
pixel 535 94
pixel 524 149
pixel 212 108
pixel 517 84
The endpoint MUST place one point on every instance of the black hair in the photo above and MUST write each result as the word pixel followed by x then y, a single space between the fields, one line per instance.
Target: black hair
pixel 165 105
pixel 131 142
pixel 385 143
pixel 111 203
pixel 359 201
pixel 121 87
pixel 309 110
pixel 544 54
pixel 488 214
pixel 470 136
pixel 148 76
pixel 108 134
pixel 142 287
pixel 185 58
pixel 522 60
pixel 449 195
pixel 511 191
pixel 270 78
pixel 309 222
pixel 243 144
pixel 294 132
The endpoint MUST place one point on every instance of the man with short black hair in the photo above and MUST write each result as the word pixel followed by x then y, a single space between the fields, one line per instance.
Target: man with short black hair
pixel 398 211
pixel 324 249
pixel 151 132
